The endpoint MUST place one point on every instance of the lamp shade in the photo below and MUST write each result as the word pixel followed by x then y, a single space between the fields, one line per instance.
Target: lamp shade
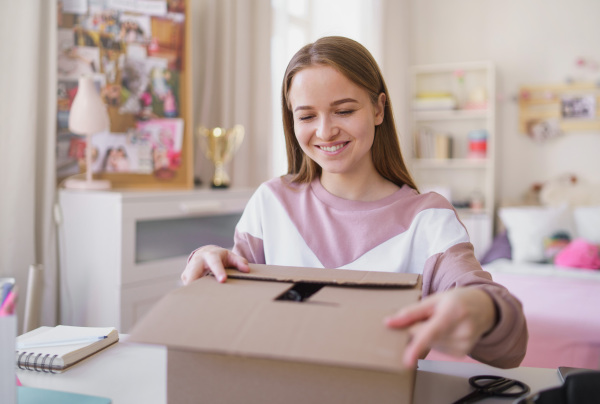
pixel 88 113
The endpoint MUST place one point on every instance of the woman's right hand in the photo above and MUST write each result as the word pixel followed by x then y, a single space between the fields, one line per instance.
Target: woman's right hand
pixel 213 259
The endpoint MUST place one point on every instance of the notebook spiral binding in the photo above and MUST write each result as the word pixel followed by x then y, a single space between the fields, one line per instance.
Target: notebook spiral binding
pixel 41 367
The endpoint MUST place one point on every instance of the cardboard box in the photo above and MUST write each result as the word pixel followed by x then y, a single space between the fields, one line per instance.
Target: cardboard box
pixel 285 335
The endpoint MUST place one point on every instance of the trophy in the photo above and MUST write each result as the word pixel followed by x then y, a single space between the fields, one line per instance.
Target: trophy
pixel 219 145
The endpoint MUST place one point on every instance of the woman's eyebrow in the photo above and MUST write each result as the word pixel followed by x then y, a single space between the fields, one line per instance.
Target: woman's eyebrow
pixel 333 104
pixel 301 107
pixel 342 101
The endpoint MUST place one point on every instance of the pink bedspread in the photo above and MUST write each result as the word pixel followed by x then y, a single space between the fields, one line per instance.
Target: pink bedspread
pixel 563 318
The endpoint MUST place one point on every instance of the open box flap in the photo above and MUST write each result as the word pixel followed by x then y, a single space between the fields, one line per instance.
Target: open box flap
pixel 342 277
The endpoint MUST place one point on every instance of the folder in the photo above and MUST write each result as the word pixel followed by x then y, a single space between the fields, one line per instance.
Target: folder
pixel 31 395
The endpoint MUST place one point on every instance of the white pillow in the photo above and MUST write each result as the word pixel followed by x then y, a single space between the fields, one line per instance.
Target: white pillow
pixel 528 226
pixel 587 223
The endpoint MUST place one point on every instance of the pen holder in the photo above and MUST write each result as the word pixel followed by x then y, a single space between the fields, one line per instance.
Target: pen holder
pixel 8 372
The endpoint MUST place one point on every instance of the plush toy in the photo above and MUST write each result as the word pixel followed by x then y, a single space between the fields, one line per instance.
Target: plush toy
pixel 579 253
pixel 568 189
pixel 555 244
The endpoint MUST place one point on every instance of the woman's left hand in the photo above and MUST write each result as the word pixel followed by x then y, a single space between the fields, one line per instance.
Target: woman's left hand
pixel 452 322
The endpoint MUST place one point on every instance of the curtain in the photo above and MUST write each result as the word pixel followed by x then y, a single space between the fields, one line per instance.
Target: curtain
pixel 396 59
pixel 231 74
pixel 27 138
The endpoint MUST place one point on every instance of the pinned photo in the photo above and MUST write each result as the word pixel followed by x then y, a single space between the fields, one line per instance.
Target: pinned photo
pixel 580 106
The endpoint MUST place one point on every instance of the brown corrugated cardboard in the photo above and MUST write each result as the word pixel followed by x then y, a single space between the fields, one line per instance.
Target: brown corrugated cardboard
pixel 242 341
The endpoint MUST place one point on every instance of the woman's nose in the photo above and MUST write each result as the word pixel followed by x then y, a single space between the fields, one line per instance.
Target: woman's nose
pixel 326 130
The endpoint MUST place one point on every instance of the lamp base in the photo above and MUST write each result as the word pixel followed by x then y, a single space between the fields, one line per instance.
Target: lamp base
pixel 74 183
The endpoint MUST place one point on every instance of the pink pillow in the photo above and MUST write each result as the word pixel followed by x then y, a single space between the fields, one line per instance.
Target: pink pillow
pixel 579 253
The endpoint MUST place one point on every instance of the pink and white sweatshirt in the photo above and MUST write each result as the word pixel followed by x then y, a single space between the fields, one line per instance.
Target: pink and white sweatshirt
pixel 304 225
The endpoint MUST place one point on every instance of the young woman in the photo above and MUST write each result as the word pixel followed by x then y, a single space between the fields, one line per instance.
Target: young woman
pixel 348 201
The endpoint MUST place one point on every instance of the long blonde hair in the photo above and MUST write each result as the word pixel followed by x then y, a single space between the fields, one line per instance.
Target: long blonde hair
pixel 356 63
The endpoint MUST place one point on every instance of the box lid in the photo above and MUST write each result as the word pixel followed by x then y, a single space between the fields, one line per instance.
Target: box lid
pixel 341 323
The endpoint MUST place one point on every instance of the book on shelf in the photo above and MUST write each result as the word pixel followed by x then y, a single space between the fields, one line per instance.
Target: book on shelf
pixel 56 349
pixel 432 145
pixel 443 146
pixel 434 101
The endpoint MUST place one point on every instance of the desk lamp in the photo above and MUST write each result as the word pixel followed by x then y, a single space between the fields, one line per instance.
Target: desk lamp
pixel 88 116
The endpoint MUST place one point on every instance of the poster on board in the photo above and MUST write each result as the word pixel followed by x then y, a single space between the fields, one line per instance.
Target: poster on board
pixel 135 51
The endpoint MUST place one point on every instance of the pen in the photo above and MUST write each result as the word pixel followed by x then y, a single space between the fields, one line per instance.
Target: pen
pixel 71 341
pixel 6 288
pixel 8 306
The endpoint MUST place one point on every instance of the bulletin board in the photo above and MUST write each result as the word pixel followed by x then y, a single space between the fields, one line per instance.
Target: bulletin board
pixel 550 110
pixel 138 54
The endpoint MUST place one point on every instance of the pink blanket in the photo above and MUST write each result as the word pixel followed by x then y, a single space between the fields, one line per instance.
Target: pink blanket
pixel 563 318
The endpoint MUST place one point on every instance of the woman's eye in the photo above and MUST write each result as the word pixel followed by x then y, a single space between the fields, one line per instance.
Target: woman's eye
pixel 305 117
pixel 345 112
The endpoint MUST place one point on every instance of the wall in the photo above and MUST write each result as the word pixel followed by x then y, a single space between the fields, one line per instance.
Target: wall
pixel 531 42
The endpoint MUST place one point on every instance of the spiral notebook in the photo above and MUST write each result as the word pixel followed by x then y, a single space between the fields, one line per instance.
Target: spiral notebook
pixel 56 349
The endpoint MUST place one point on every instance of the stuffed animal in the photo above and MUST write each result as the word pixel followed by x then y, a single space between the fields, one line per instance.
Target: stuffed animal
pixel 579 253
pixel 571 191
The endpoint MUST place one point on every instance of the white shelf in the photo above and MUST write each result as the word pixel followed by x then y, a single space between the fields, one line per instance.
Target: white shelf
pixel 467 212
pixel 450 115
pixel 451 163
pixel 461 178
pixel 440 68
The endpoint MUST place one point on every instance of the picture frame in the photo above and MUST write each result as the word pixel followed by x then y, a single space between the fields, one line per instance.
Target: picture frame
pixel 139 56
pixel 550 110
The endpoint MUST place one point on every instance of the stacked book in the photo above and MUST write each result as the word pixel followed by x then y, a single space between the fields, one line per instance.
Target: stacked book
pixel 434 101
pixel 431 145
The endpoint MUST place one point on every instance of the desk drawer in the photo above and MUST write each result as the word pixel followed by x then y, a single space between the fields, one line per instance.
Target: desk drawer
pixel 167 238
pixel 159 235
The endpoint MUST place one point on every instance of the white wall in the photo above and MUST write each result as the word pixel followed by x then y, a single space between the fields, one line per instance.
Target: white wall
pixel 531 42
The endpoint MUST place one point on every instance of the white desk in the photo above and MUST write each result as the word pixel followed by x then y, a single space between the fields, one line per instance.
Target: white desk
pixel 130 373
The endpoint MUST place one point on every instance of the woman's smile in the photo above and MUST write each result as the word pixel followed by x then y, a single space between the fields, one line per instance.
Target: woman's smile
pixel 334 148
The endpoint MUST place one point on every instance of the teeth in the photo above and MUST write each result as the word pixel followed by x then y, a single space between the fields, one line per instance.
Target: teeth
pixel 332 148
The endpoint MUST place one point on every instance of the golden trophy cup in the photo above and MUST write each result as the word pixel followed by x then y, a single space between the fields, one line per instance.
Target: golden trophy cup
pixel 219 145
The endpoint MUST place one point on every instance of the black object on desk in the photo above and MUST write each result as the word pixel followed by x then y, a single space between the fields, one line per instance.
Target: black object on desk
pixel 579 388
pixel 493 386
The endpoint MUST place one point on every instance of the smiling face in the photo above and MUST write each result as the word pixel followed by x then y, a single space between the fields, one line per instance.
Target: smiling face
pixel 334 120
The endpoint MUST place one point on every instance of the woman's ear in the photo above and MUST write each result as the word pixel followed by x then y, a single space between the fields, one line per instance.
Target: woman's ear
pixel 379 109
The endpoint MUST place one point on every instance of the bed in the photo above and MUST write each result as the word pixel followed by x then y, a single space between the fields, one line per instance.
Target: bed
pixel 536 258
pixel 562 307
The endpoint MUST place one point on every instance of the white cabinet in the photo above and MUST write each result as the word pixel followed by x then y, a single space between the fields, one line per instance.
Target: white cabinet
pixel 122 251
pixel 452 123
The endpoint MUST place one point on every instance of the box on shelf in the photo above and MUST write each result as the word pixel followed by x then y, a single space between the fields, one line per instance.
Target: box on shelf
pixel 285 334
pixel 477 143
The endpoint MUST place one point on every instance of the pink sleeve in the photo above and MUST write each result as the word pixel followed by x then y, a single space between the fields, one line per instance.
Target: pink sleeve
pixel 249 247
pixel 506 344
